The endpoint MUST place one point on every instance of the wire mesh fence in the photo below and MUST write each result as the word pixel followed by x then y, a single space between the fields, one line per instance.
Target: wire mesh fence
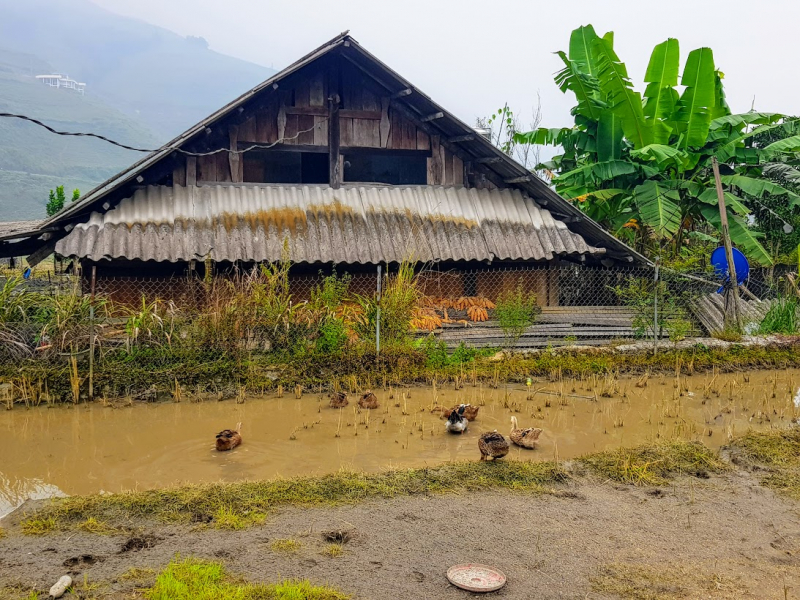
pixel 192 329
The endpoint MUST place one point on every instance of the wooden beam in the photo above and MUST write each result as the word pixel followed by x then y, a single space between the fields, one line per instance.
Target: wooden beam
pixel 488 160
pixel 402 93
pixel 461 138
pixel 521 179
pixel 435 166
pixel 234 158
pixel 191 170
pixel 282 118
pixel 45 250
pixel 433 117
pixel 385 125
pixel 344 113
pixel 334 164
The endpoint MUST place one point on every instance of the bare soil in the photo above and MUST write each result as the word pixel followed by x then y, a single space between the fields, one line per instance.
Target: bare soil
pixel 723 537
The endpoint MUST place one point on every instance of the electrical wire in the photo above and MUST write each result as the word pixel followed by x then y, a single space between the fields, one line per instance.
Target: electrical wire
pixel 149 151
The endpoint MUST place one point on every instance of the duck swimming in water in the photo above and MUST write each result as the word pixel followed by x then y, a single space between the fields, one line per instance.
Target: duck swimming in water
pixel 228 439
pixel 338 400
pixel 525 438
pixel 457 422
pixel 368 400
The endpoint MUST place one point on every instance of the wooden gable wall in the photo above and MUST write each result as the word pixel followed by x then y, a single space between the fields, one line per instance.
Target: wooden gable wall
pixel 367 120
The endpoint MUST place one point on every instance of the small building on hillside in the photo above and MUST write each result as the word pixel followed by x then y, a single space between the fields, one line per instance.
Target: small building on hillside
pixel 338 163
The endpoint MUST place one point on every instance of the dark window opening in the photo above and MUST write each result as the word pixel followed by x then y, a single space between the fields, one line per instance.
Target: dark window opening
pixel 286 167
pixel 386 168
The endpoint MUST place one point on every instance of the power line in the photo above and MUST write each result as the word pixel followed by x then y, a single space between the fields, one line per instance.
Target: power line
pixel 182 151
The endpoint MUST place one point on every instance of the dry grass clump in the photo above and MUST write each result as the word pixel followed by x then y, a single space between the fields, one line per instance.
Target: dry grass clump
pixel 238 505
pixel 778 451
pixel 653 464
pixel 662 582
pixel 194 579
pixel 139 575
pixel 333 550
pixel 92 525
pixel 286 546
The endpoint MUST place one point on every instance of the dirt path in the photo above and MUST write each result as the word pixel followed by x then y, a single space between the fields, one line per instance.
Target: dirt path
pixel 725 537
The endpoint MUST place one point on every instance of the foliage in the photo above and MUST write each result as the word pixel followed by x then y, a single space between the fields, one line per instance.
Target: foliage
pixel 782 316
pixel 516 311
pixel 57 198
pixel 401 295
pixel 641 164
pixel 646 297
pixel 195 579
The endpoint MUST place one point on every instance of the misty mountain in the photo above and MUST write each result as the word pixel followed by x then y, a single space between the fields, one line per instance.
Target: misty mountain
pixel 144 85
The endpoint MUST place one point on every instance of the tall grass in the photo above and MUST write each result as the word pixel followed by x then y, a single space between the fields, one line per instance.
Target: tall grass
pixel 782 316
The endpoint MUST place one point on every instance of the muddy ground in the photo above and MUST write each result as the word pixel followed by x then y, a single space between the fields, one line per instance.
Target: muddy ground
pixel 723 537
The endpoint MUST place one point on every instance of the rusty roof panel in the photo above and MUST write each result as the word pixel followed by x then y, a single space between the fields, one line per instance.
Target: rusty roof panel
pixel 355 224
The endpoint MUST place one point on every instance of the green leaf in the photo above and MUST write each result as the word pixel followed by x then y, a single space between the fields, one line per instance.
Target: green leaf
pixel 660 96
pixel 609 136
pixel 703 237
pixel 580 47
pixel 760 187
pixel 618 92
pixel 584 85
pixel 709 196
pixel 657 207
pixel 782 171
pixel 693 114
pixel 788 145
pixel 741 235
pixel 748 118
pixel 721 108
pixel 662 155
pixel 544 136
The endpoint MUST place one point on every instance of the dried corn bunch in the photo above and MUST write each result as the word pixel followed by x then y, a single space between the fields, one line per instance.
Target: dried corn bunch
pixel 477 313
pixel 466 302
pixel 425 319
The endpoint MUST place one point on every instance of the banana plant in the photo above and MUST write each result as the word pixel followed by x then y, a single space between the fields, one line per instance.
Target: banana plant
pixel 643 162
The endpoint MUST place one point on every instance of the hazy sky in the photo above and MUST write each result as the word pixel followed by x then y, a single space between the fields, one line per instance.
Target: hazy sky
pixel 473 56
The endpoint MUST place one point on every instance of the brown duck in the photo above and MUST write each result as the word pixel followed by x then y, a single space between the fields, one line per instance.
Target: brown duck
pixel 525 438
pixel 368 400
pixel 338 400
pixel 228 439
pixel 492 445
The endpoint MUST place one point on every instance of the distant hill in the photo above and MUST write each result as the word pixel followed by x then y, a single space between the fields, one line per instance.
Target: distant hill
pixel 167 81
pixel 33 161
pixel 144 86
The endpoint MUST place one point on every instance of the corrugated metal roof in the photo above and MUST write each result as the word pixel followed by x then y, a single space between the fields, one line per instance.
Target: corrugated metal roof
pixel 354 224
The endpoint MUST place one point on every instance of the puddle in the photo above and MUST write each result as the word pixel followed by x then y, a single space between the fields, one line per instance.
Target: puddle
pixel 91 448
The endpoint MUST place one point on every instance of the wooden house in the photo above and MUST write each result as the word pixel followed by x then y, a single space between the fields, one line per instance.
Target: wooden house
pixel 339 162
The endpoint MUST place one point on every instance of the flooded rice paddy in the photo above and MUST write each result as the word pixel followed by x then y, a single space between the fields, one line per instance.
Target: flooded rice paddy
pixel 89 448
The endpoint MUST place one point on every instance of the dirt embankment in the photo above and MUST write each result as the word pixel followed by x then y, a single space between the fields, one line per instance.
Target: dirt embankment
pixel 722 537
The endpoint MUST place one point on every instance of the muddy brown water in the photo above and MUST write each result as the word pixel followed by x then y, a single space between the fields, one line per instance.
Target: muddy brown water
pixel 91 448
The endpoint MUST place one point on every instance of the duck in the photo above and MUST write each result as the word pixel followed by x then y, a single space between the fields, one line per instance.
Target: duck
pixel 456 422
pixel 492 445
pixel 228 439
pixel 338 400
pixel 368 400
pixel 525 438
pixel 468 411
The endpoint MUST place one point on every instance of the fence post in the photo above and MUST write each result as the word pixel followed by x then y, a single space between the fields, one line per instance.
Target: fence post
pixel 378 319
pixel 655 310
pixel 91 335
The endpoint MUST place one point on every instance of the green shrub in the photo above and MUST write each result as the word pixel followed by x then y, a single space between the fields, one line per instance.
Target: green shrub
pixel 516 311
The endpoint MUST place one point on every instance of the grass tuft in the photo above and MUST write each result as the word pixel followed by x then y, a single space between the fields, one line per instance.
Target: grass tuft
pixel 237 505
pixel 39 525
pixel 662 582
pixel 653 464
pixel 778 451
pixel 92 525
pixel 139 575
pixel 333 550
pixel 286 546
pixel 194 579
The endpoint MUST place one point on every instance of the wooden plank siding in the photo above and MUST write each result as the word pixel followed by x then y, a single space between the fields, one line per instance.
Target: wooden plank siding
pixel 298 116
